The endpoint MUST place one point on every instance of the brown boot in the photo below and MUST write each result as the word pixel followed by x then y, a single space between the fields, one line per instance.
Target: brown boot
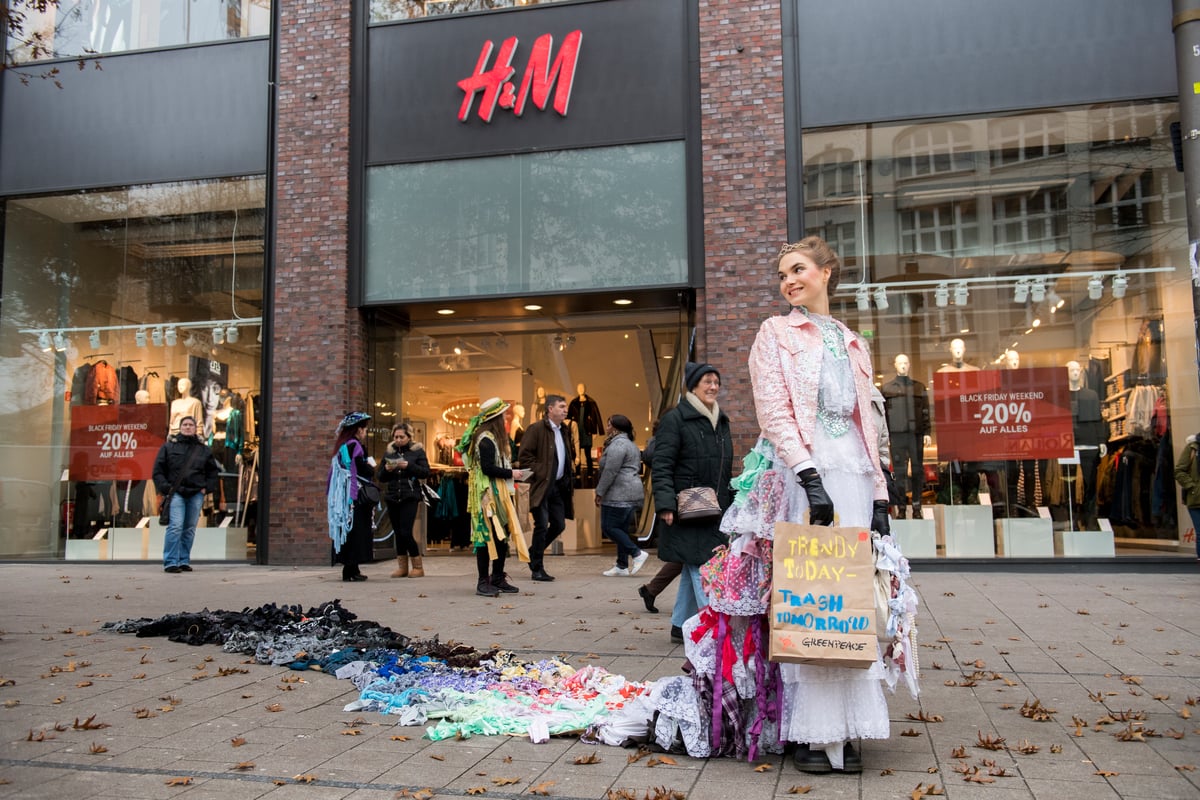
pixel 418 568
pixel 401 567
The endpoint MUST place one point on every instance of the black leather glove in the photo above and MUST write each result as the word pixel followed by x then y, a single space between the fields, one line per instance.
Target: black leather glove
pixel 820 507
pixel 880 519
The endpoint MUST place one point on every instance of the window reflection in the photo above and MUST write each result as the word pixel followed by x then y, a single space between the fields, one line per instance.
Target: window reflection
pixel 95 27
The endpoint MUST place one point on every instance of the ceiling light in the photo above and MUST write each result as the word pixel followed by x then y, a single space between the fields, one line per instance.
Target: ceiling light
pixel 156 336
pixel 1095 287
pixel 1054 301
pixel 881 298
pixel 460 347
pixel 941 295
pixel 170 337
pixel 961 293
pixel 1037 322
pixel 445 312
pixel 533 307
pixel 60 341
pixel 94 340
pixel 1119 284
pixel 862 299
pixel 139 337
pixel 1021 291
pixel 569 339
pixel 622 301
pixel 558 341
pixel 218 335
pixel 231 334
pixel 44 341
pixel 1037 292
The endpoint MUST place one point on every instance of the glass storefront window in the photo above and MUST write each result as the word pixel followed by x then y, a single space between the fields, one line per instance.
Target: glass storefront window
pixel 567 221
pixel 388 10
pixel 1029 272
pixel 80 28
pixel 122 310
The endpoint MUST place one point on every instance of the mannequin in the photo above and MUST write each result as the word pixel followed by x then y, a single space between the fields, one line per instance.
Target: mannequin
pixel 1012 359
pixel 185 406
pixel 1090 433
pixel 226 443
pixel 1023 492
pixel 585 413
pixel 516 426
pixel 907 409
pixel 958 352
pixel 539 404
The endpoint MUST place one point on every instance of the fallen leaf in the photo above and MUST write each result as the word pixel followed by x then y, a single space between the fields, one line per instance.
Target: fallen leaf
pixel 763 768
pixel 590 758
pixel 887 772
pixel 542 788
pixel 799 790
pixel 910 732
pixel 178 781
pixel 1027 748
pixel 989 742
pixel 83 684
pixel 477 790
pixel 437 757
pixel 1103 773
pixel 1083 612
pixel 399 738
pixel 351 732
pixel 237 741
pixel 1037 712
pixel 959 752
pixel 243 765
pixel 143 713
pixel 97 748
pixel 274 707
pixel 89 724
pixel 505 781
pixel 923 717
pixel 1056 748
pixel 308 777
pixel 1186 767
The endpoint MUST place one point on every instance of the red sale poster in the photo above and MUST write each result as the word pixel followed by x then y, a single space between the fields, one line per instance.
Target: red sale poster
pixel 1003 414
pixel 116 443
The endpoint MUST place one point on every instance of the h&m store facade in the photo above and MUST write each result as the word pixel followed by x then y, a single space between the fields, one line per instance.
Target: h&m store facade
pixel 282 212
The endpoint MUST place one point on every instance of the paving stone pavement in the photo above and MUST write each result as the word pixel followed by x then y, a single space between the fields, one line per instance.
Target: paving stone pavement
pixel 1100 652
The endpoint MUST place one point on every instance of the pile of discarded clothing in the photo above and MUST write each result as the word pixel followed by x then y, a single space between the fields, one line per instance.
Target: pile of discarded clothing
pixel 464 691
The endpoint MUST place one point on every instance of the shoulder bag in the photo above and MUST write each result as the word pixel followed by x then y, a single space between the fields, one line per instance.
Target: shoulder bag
pixel 700 502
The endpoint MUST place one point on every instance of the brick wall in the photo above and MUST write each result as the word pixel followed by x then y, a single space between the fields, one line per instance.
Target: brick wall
pixel 745 206
pixel 319 358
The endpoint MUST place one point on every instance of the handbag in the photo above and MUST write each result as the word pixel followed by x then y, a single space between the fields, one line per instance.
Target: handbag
pixel 368 492
pixel 428 494
pixel 698 502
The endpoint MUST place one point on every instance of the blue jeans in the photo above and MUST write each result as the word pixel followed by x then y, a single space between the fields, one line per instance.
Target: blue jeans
pixel 690 597
pixel 615 523
pixel 181 531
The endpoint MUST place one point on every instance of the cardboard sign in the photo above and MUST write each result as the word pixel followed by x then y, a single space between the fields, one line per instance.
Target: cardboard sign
pixel 116 443
pixel 822 596
pixel 1003 414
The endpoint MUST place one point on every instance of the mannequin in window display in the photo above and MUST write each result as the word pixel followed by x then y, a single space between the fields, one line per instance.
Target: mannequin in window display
pixel 226 444
pixel 1090 434
pixel 539 404
pixel 958 355
pixel 131 494
pixel 907 409
pixel 185 406
pixel 585 414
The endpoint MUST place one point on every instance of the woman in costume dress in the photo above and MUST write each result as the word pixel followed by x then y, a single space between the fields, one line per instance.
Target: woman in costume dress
pixel 487 454
pixel 349 514
pixel 819 455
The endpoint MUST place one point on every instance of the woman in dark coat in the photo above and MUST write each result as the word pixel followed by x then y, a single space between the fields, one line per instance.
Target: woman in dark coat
pixel 349 512
pixel 693 448
pixel 404 467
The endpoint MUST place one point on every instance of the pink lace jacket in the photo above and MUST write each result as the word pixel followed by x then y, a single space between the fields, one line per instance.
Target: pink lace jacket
pixel 785 370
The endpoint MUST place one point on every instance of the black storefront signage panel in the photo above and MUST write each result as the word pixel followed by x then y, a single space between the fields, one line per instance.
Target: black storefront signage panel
pixel 179 114
pixel 629 81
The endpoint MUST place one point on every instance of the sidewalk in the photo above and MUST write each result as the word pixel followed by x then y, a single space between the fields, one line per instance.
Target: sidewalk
pixel 1103 654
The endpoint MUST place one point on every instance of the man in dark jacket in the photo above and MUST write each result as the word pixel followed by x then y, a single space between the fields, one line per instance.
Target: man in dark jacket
pixel 549 450
pixel 183 471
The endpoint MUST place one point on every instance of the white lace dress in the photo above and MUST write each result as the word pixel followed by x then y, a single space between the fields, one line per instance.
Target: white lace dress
pixel 822 705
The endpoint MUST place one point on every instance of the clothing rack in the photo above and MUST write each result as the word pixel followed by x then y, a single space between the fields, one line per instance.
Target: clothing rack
pixel 98 355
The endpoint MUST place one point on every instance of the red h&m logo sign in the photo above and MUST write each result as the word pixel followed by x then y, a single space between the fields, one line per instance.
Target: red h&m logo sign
pixel 540 76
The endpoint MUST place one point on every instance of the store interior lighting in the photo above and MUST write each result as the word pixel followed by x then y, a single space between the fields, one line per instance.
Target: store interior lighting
pixel 44 342
pixel 94 340
pixel 961 294
pixel 218 335
pixel 170 336
pixel 1095 287
pixel 1119 284
pixel 1037 292
pixel 231 334
pixel 881 298
pixel 1021 291
pixel 52 337
pixel 1054 301
pixel 139 337
pixel 862 299
pixel 60 341
pixel 156 336
pixel 941 296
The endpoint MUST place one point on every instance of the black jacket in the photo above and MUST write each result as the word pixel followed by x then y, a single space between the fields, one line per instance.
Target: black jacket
pixel 178 452
pixel 403 484
pixel 687 453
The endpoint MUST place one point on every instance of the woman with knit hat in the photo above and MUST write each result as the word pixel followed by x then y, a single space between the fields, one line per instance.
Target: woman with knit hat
pixel 693 448
pixel 349 514
pixel 487 454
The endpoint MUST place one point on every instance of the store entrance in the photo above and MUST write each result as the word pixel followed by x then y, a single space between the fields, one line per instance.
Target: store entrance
pixel 435 375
